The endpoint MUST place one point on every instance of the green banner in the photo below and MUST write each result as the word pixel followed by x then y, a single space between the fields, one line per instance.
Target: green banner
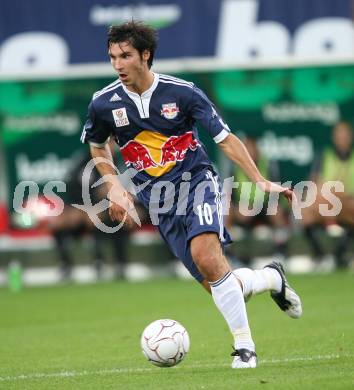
pixel 290 111
pixel 40 127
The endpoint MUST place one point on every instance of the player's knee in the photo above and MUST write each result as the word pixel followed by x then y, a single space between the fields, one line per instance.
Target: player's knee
pixel 209 264
pixel 309 216
pixel 203 257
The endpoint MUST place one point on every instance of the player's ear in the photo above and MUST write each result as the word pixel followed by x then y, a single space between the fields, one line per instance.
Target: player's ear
pixel 146 55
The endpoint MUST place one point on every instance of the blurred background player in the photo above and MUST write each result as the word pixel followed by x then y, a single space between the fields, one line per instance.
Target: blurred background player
pixel 256 199
pixel 335 164
pixel 74 223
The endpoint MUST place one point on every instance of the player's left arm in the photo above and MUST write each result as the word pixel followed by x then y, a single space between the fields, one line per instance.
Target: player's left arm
pixel 203 110
pixel 236 151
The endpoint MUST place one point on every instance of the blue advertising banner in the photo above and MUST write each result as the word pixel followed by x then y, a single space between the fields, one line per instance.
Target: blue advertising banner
pixel 49 35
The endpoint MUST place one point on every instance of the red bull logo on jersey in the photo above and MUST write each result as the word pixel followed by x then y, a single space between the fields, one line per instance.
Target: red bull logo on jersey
pixel 155 153
pixel 169 110
pixel 137 155
pixel 176 148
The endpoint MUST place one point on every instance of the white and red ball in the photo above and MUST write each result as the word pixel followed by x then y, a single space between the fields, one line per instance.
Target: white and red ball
pixel 165 342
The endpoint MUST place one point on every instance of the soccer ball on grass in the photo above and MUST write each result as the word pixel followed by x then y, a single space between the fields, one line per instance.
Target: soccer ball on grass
pixel 165 343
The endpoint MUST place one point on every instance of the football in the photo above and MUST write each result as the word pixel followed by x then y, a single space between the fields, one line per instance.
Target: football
pixel 165 342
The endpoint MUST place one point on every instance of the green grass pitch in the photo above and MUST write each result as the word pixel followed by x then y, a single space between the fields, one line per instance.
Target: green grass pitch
pixel 88 337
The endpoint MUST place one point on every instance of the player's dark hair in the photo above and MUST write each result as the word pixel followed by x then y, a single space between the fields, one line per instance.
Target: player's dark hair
pixel 138 34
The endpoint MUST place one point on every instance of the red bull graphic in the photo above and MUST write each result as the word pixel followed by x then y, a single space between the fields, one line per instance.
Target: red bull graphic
pixel 155 153
pixel 176 148
pixel 170 110
pixel 137 155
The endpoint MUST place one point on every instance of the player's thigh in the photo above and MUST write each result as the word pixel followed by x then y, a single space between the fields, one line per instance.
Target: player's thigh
pixel 206 246
pixel 70 218
pixel 311 214
pixel 173 230
pixel 207 254
pixel 346 214
pixel 204 211
pixel 278 219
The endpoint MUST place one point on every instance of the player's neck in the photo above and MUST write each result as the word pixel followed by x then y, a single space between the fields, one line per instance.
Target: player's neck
pixel 142 84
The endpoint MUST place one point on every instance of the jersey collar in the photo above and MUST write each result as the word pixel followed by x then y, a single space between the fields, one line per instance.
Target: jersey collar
pixel 145 94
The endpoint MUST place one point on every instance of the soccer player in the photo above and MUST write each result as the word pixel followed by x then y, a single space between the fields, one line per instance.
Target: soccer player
pixel 335 164
pixel 153 119
pixel 73 223
pixel 277 219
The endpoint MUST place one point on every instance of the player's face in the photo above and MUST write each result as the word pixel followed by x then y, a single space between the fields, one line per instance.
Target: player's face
pixel 127 62
pixel 343 137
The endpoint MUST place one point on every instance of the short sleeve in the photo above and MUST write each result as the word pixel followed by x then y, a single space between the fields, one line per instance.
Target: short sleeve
pixel 94 132
pixel 203 111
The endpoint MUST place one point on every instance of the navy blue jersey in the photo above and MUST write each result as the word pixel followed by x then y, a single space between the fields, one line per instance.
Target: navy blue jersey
pixel 156 131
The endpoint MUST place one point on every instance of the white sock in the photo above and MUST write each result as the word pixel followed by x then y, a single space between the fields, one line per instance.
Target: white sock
pixel 258 281
pixel 227 295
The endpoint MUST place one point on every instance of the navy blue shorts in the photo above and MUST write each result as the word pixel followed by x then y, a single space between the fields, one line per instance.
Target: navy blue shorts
pixel 197 211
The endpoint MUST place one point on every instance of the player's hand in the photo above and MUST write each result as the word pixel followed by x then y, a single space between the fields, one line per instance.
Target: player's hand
pixel 122 208
pixel 288 193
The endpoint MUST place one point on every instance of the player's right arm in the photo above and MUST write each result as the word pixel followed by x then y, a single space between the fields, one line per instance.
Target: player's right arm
pixel 120 200
pixel 97 135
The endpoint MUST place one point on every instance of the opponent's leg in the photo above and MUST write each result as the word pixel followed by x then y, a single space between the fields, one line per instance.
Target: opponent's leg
pixel 63 250
pixel 227 294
